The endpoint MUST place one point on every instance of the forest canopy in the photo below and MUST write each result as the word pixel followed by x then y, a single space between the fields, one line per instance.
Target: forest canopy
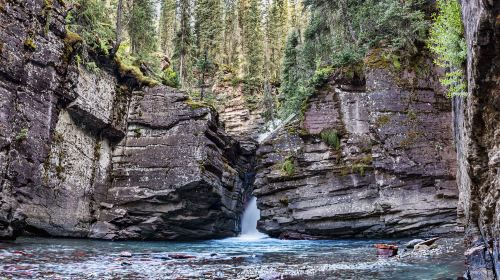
pixel 279 51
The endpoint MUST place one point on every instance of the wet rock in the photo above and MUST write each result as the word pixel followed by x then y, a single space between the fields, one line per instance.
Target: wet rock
pixel 298 236
pixel 126 254
pixel 421 247
pixel 429 242
pixel 181 256
pixel 386 250
pixel 413 242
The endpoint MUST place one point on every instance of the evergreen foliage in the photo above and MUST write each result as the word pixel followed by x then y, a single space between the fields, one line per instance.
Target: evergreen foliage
pixel 340 33
pixel 184 43
pixel 448 43
pixel 167 26
pixel 92 22
pixel 141 29
pixel 252 41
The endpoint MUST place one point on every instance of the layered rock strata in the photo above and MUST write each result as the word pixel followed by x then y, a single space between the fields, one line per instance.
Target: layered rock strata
pixel 176 175
pixel 373 160
pixel 81 155
pixel 477 132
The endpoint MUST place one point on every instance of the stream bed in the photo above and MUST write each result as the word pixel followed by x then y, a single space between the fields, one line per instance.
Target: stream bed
pixel 232 258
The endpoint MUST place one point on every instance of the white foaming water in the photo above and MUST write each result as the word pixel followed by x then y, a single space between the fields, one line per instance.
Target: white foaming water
pixel 249 222
pixel 273 127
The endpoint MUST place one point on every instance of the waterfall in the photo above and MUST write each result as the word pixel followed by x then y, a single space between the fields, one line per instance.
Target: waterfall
pixel 249 221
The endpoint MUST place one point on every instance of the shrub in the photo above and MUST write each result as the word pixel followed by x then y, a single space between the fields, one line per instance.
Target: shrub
pixel 448 43
pixel 169 78
pixel 92 67
pixel 288 167
pixel 320 76
pixel 92 21
pixel 29 44
pixel 331 137
pixel 22 135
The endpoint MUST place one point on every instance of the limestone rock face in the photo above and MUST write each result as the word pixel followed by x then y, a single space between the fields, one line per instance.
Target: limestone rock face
pixel 174 175
pixel 477 133
pixel 392 174
pixel 80 157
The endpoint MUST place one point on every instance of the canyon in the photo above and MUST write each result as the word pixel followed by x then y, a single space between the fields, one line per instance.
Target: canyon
pixel 103 155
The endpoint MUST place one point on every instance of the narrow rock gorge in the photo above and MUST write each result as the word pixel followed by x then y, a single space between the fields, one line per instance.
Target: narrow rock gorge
pixel 106 154
pixel 97 155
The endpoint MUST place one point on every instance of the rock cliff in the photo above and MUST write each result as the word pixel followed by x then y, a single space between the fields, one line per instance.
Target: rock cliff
pixel 477 132
pixel 84 154
pixel 373 159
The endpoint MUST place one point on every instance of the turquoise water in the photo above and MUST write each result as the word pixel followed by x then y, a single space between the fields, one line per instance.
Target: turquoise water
pixel 233 258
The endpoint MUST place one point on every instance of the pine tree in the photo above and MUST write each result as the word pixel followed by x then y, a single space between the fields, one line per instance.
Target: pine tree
pixel 232 39
pixel 277 30
pixel 142 29
pixel 167 28
pixel 291 90
pixel 184 44
pixel 252 41
pixel 209 29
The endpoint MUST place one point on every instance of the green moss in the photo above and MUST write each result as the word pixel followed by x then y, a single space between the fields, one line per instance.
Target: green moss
pixel 331 137
pixel 412 115
pixel 92 67
pixel 382 120
pixel 411 138
pixel 376 59
pixel 321 76
pixel 137 133
pixel 193 104
pixel 29 44
pixel 2 8
pixel 126 70
pixel 71 40
pixel 58 138
pixel 288 167
pixel 60 171
pixel 22 135
pixel 284 201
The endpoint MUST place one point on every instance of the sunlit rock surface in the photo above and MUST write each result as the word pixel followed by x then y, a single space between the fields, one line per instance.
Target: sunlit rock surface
pixel 392 175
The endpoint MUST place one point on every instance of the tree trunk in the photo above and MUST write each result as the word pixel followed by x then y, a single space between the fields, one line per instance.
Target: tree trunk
pixel 119 26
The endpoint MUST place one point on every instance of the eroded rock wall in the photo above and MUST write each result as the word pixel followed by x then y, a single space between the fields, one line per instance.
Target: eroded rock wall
pixel 175 174
pixel 393 173
pixel 477 133
pixel 81 155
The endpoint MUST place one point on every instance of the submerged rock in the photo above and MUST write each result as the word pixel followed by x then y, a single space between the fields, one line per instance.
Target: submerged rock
pixel 413 242
pixel 126 254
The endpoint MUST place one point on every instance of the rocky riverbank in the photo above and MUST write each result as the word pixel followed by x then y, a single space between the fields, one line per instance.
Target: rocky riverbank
pixel 225 259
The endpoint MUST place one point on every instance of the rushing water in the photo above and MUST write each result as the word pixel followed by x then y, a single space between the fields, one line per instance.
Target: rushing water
pixel 252 255
pixel 249 222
